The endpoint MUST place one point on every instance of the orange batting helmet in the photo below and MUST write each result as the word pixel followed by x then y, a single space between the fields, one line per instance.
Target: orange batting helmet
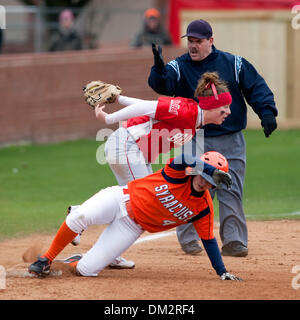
pixel 215 159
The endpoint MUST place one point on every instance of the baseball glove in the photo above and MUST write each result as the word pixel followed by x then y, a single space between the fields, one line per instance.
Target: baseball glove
pixel 99 92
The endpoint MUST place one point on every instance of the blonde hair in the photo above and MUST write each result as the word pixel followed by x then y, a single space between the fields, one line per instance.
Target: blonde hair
pixel 203 90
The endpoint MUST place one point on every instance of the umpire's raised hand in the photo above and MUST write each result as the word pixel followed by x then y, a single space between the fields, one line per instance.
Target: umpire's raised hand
pixel 158 59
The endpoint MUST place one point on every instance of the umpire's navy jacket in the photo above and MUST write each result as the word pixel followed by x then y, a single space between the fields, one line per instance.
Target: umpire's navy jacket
pixel 181 76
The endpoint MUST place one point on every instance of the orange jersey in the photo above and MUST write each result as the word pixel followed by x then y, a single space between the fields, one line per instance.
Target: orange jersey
pixel 164 200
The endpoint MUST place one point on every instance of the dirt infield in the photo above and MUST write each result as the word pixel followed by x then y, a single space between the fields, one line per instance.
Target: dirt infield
pixel 164 272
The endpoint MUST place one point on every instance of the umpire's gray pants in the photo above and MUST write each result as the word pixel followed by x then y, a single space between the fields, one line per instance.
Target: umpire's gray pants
pixel 233 225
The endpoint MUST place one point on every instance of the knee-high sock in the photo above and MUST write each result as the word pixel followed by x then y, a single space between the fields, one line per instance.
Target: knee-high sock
pixel 63 237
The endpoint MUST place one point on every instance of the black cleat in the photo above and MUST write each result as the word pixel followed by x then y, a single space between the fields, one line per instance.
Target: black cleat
pixel 41 267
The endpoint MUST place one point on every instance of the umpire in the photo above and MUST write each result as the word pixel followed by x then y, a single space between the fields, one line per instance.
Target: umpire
pixel 179 78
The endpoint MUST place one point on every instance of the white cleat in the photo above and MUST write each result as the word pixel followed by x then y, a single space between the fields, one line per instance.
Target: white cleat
pixel 76 240
pixel 122 263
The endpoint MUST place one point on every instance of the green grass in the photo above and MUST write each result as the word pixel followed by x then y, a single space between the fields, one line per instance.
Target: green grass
pixel 38 182
pixel 272 183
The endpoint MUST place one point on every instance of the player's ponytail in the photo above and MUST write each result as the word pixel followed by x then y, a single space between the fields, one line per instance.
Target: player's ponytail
pixel 205 88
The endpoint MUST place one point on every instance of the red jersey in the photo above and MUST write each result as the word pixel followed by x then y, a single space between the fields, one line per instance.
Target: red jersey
pixel 164 200
pixel 173 125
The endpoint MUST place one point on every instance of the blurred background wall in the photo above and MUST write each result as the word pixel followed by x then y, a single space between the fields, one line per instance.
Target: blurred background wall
pixel 40 91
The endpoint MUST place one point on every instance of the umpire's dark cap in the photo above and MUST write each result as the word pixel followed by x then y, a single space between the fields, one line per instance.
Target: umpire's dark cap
pixel 200 29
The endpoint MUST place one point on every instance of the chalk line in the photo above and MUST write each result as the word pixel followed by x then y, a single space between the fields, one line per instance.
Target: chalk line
pixel 166 234
pixel 155 236
pixel 274 215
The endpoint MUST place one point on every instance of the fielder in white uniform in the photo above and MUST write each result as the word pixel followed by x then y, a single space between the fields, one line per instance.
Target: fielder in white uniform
pixel 128 158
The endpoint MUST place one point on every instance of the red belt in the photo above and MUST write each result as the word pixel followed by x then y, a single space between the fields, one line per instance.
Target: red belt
pixel 129 207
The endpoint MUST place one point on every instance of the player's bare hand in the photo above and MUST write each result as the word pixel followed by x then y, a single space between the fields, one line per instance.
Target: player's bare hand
pixel 229 276
pixel 220 176
pixel 100 114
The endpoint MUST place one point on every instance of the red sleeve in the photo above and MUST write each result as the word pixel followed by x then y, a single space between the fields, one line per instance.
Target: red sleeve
pixel 136 121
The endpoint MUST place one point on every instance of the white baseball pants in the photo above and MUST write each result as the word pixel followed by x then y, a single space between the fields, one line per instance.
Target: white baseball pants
pixel 105 207
pixel 125 158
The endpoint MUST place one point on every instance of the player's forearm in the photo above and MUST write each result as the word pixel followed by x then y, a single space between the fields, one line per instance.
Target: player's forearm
pixel 187 160
pixel 141 108
pixel 213 252
pixel 127 101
